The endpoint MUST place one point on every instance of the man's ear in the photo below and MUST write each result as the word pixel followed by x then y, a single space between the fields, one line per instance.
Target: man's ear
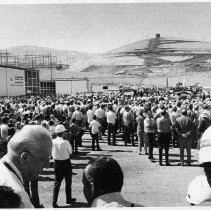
pixel 96 191
pixel 24 158
pixel 92 191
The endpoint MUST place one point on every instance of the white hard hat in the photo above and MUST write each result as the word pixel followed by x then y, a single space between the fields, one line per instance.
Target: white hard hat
pixel 205 147
pixel 60 128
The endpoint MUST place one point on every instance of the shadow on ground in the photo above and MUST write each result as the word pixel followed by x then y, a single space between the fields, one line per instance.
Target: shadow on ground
pixel 45 179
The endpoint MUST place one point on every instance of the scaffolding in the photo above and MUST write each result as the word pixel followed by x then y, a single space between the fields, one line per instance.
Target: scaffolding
pixel 28 61
pixel 31 62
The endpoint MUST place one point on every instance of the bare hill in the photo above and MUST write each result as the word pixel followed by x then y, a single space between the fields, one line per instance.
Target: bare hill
pixel 158 57
pixel 161 56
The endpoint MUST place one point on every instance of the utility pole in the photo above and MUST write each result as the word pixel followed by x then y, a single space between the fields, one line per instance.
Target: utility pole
pixel 51 67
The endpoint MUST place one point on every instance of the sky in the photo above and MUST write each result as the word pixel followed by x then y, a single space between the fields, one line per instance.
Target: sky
pixel 100 27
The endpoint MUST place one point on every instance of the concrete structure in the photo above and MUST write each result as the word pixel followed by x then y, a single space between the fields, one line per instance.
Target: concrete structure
pixel 17 82
pixel 12 82
pixel 72 85
pixel 64 86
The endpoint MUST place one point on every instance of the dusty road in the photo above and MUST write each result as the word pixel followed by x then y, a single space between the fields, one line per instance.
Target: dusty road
pixel 145 183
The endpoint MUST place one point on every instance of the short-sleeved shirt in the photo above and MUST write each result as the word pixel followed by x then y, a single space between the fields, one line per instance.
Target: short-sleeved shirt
pixel 94 125
pixel 61 149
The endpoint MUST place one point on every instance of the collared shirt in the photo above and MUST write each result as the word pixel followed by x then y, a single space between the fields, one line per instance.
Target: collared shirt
pixel 77 115
pixel 61 149
pixel 149 125
pixel 111 117
pixel 111 200
pixel 15 181
pixel 140 123
pixel 163 125
pixel 90 114
pixel 128 117
pixel 94 125
pixel 115 108
pixel 179 111
pixel 100 113
pixel 4 131
pixel 173 117
pixel 184 125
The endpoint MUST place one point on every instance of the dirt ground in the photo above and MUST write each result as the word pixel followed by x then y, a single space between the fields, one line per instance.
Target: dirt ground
pixel 145 183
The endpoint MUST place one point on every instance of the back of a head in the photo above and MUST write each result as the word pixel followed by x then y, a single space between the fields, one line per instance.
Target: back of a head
pixel 163 112
pixel 102 106
pixel 106 174
pixel 141 111
pixel 110 107
pixel 94 117
pixel 4 120
pixel 190 106
pixel 184 112
pixel 30 138
pixel 8 198
pixel 73 120
pixel 174 109
pixel 51 123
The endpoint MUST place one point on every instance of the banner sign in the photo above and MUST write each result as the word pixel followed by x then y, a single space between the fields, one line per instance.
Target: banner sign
pixel 16 81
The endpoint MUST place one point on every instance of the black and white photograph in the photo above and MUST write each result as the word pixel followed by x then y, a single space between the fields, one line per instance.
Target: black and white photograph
pixel 105 103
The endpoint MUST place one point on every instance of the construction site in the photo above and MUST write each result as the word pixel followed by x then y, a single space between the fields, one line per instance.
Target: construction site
pixel 32 74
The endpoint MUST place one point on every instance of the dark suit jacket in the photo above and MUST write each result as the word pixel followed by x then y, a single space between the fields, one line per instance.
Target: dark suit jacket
pixel 184 125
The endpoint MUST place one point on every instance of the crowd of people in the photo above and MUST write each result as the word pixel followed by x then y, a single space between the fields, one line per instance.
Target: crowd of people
pixel 156 118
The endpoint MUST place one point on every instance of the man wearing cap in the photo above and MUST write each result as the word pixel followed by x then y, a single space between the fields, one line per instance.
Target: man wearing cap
pixel 199 190
pixel 61 152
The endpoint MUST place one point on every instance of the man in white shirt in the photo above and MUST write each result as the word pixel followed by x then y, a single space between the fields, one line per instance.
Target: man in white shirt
pixel 100 114
pixel 173 117
pixel 61 153
pixel 77 114
pixel 4 129
pixel 150 130
pixel 111 119
pixel 95 126
pixel 29 151
pixel 90 114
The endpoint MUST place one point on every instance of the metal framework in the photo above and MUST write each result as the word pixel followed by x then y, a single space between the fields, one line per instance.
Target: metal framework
pixel 31 62
pixel 28 61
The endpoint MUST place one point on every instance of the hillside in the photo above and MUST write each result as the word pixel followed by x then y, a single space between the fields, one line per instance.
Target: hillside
pixel 149 60
pixel 161 56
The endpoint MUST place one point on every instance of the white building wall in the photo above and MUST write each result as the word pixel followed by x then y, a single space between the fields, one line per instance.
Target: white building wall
pixel 71 87
pixel 12 82
pixel 3 87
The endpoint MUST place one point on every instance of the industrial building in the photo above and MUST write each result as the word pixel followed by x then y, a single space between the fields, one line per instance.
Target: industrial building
pixel 64 86
pixel 20 75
